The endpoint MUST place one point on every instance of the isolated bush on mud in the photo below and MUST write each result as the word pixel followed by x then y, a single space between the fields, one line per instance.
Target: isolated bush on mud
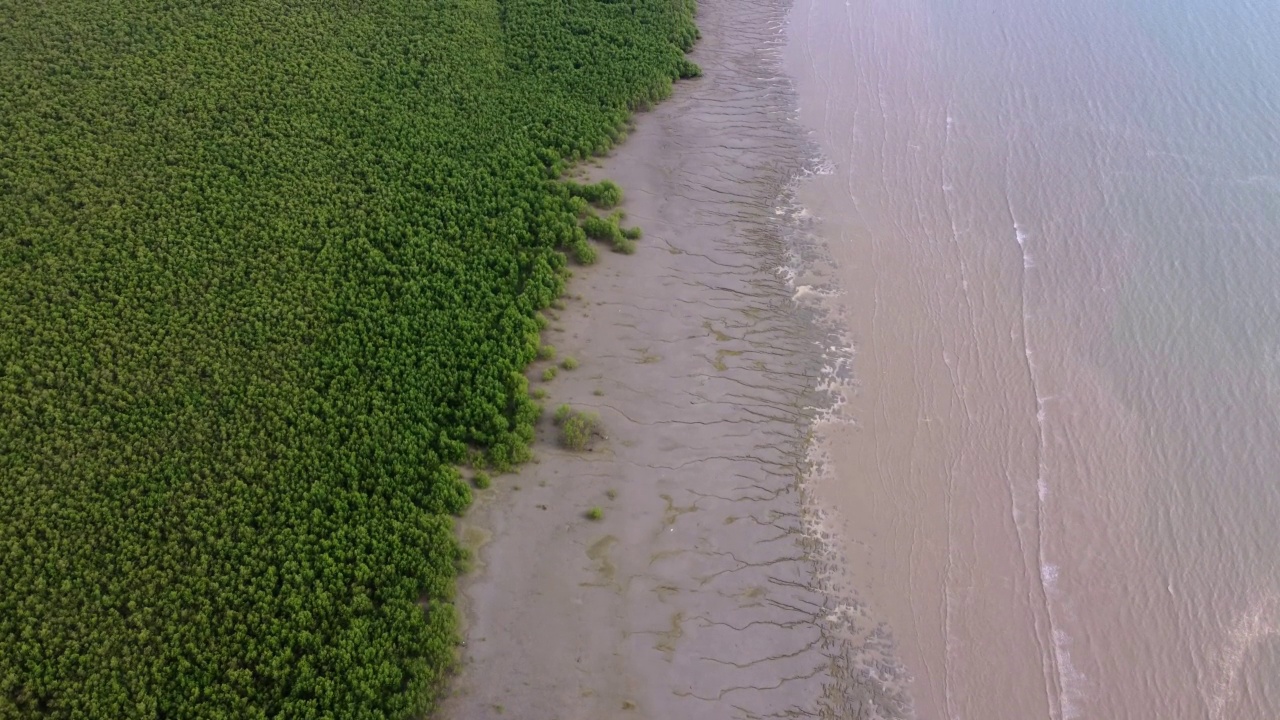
pixel 576 427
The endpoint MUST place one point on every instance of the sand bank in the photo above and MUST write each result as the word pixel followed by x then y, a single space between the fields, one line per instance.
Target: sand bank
pixel 693 596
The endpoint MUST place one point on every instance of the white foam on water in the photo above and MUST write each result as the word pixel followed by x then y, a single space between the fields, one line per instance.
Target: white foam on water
pixel 872 660
pixel 1072 681
pixel 836 382
pixel 1049 576
pixel 811 292
pixel 871 657
pixel 1075 681
pixel 1061 674
pixel 1258 623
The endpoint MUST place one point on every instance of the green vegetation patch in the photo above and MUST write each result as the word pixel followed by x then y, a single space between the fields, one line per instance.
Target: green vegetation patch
pixel 604 194
pixel 610 229
pixel 268 271
pixel 576 427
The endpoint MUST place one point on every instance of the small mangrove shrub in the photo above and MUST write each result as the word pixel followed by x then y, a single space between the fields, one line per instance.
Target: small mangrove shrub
pixel 604 194
pixel 576 427
pixel 608 229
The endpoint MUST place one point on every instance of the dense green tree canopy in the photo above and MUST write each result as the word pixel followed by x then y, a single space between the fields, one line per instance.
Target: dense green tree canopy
pixel 268 271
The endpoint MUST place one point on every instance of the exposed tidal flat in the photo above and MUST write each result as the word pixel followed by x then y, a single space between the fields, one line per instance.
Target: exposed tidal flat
pixel 697 590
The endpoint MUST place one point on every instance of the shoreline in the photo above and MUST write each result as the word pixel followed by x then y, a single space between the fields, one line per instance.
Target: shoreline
pixel 695 594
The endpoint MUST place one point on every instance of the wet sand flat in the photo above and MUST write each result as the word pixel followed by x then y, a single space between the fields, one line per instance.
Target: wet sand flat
pixel 694 595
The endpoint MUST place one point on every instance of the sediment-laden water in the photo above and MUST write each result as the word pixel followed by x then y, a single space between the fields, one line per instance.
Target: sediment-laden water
pixel 1056 232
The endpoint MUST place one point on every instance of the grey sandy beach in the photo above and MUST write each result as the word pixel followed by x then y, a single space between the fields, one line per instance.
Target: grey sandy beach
pixel 695 595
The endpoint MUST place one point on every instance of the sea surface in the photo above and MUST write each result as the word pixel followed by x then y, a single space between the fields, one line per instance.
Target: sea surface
pixel 1054 240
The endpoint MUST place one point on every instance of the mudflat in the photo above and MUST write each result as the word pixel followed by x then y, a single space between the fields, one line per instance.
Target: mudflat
pixel 695 594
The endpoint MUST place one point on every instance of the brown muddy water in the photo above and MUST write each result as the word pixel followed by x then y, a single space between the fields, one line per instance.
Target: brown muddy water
pixel 1054 230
